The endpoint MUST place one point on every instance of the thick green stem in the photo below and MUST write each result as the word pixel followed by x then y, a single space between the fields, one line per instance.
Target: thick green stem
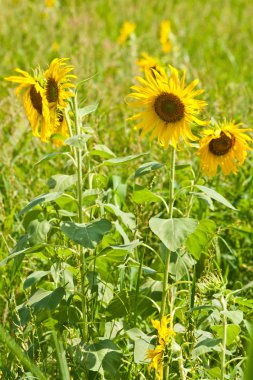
pixel 224 340
pixel 167 259
pixel 138 287
pixel 79 187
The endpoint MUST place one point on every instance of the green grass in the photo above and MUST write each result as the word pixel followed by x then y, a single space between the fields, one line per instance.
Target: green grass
pixel 213 41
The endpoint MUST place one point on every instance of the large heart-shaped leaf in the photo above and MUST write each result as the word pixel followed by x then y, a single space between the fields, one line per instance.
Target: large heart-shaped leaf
pixel 86 234
pixel 173 232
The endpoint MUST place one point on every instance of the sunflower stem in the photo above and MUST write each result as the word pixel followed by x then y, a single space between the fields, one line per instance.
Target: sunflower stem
pixel 167 259
pixel 138 287
pixel 224 340
pixel 79 187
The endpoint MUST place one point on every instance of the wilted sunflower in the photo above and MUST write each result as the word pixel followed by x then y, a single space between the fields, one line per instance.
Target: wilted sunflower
pixel 169 106
pixel 58 83
pixel 147 63
pixel 35 103
pixel 165 335
pixel 165 30
pixel 125 32
pixel 223 146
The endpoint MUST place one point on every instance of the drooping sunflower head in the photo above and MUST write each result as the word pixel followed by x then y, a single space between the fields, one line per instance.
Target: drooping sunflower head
pixel 146 62
pixel 126 30
pixel 225 146
pixel 168 107
pixel 35 102
pixel 58 83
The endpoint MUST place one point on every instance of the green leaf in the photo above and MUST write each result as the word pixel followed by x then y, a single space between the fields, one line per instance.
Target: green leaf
pixel 44 198
pixel 38 230
pixel 198 241
pixel 34 249
pixel 206 345
pixel 232 332
pixel 34 277
pixel 78 141
pixel 122 160
pixel 173 232
pixel 216 196
pixel 147 168
pixel 49 156
pixel 180 265
pixel 61 182
pixel 87 110
pixel 236 316
pixel 103 356
pixel 145 195
pixel 141 348
pixel 44 300
pixel 127 217
pixel 88 235
pixel 102 151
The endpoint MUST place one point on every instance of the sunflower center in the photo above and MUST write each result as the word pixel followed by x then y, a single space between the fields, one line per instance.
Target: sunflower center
pixel 52 90
pixel 222 145
pixel 169 108
pixel 36 99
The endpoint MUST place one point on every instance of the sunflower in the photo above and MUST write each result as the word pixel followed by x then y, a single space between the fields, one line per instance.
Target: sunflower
pixel 165 30
pixel 58 83
pixel 168 106
pixel 165 334
pixel 225 145
pixel 126 30
pixel 35 103
pixel 147 63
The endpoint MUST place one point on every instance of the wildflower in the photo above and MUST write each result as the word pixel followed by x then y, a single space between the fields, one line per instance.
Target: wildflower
pixel 165 30
pixel 126 30
pixel 165 334
pixel 147 63
pixel 49 3
pixel 169 106
pixel 223 146
pixel 35 103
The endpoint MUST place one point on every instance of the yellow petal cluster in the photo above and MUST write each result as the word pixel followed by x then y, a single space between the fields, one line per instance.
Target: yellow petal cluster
pixel 165 334
pixel 125 32
pixel 225 146
pixel 165 30
pixel 45 97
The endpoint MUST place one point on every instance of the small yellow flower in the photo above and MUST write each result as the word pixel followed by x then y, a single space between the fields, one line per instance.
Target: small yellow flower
pixel 55 46
pixel 126 30
pixel 147 63
pixel 165 334
pixel 49 3
pixel 165 30
pixel 223 146
pixel 168 107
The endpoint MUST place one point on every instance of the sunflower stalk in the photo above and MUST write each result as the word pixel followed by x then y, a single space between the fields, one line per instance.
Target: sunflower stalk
pixel 79 187
pixel 224 340
pixel 167 260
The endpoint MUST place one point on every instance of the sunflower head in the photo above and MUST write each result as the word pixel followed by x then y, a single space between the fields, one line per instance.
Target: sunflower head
pixel 226 146
pixel 58 83
pixel 168 106
pixel 35 102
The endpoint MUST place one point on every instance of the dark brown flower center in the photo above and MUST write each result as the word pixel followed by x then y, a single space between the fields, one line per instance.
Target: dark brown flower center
pixel 221 145
pixel 52 90
pixel 169 108
pixel 36 99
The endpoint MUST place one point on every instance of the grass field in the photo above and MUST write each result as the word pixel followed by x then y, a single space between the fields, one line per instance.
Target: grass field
pixel 128 264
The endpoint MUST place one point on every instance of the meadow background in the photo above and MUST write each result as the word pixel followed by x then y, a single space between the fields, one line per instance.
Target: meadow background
pixel 213 41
